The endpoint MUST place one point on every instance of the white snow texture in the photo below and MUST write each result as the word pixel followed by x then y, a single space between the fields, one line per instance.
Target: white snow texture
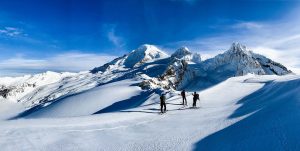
pixel 247 102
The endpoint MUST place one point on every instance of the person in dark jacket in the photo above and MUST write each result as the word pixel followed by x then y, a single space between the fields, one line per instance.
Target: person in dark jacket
pixel 163 107
pixel 195 98
pixel 184 102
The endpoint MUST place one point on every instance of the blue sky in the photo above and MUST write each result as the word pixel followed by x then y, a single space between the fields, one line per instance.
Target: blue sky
pixel 75 35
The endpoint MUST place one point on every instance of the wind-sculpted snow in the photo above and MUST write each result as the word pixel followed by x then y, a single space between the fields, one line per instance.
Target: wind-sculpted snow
pixel 273 124
pixel 237 61
pixel 186 73
pixel 143 54
pixel 91 101
pixel 136 58
pixel 244 105
pixel 45 87
pixel 269 66
pixel 252 112
pixel 151 67
pixel 184 53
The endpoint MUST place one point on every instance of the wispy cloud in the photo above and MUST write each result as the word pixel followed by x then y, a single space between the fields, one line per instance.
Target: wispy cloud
pixel 278 40
pixel 72 62
pixel 23 37
pixel 247 25
pixel 113 37
pixel 11 31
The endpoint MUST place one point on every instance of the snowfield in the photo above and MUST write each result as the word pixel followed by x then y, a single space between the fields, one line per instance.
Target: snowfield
pixel 251 112
pixel 91 101
pixel 248 102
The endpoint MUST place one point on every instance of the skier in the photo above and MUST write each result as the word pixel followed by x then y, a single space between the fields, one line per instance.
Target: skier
pixel 184 102
pixel 195 98
pixel 163 107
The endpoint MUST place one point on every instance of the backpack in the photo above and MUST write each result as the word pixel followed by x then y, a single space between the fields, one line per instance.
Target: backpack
pixel 182 93
pixel 197 97
pixel 163 98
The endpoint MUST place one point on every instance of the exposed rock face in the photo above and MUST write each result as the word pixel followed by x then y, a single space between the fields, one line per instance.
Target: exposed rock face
pixel 236 61
pixel 4 91
pixel 184 53
pixel 271 67
pixel 154 68
pixel 174 73
pixel 170 79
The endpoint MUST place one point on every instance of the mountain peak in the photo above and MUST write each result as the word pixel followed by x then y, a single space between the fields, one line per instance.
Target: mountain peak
pixel 237 47
pixel 147 49
pixel 181 52
pixel 184 48
pixel 143 54
pixel 147 46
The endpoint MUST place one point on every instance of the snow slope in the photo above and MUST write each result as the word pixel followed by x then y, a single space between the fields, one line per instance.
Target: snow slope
pixel 273 125
pixel 90 102
pixel 10 109
pixel 249 112
pixel 32 90
pixel 143 54
pixel 186 70
pixel 147 66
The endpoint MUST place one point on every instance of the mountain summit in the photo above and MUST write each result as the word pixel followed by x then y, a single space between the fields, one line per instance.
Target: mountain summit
pixel 147 65
pixel 143 54
pixel 181 52
pixel 65 110
pixel 237 48
pixel 236 61
pixel 185 54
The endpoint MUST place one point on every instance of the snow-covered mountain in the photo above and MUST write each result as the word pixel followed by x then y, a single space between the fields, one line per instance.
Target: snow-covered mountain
pixel 184 53
pixel 152 68
pixel 244 97
pixel 190 73
pixel 143 54
pixel 32 90
pixel 242 61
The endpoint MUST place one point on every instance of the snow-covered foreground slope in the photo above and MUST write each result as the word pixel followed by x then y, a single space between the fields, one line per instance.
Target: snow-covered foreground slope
pixel 92 101
pixel 10 109
pixel 241 113
pixel 152 69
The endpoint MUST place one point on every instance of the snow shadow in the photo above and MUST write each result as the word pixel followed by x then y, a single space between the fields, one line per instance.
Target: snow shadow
pixel 272 123
pixel 157 110
pixel 152 69
pixel 126 104
pixel 141 112
pixel 204 79
pixel 147 110
pixel 27 112
pixel 42 106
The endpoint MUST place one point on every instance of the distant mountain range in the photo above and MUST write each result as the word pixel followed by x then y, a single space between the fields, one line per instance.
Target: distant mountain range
pixel 150 66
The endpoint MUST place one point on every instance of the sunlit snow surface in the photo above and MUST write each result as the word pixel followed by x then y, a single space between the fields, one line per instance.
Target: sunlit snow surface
pixel 242 113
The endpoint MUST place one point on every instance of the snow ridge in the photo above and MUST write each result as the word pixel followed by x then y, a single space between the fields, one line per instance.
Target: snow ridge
pixel 236 61
pixel 143 54
pixel 184 53
pixel 147 64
